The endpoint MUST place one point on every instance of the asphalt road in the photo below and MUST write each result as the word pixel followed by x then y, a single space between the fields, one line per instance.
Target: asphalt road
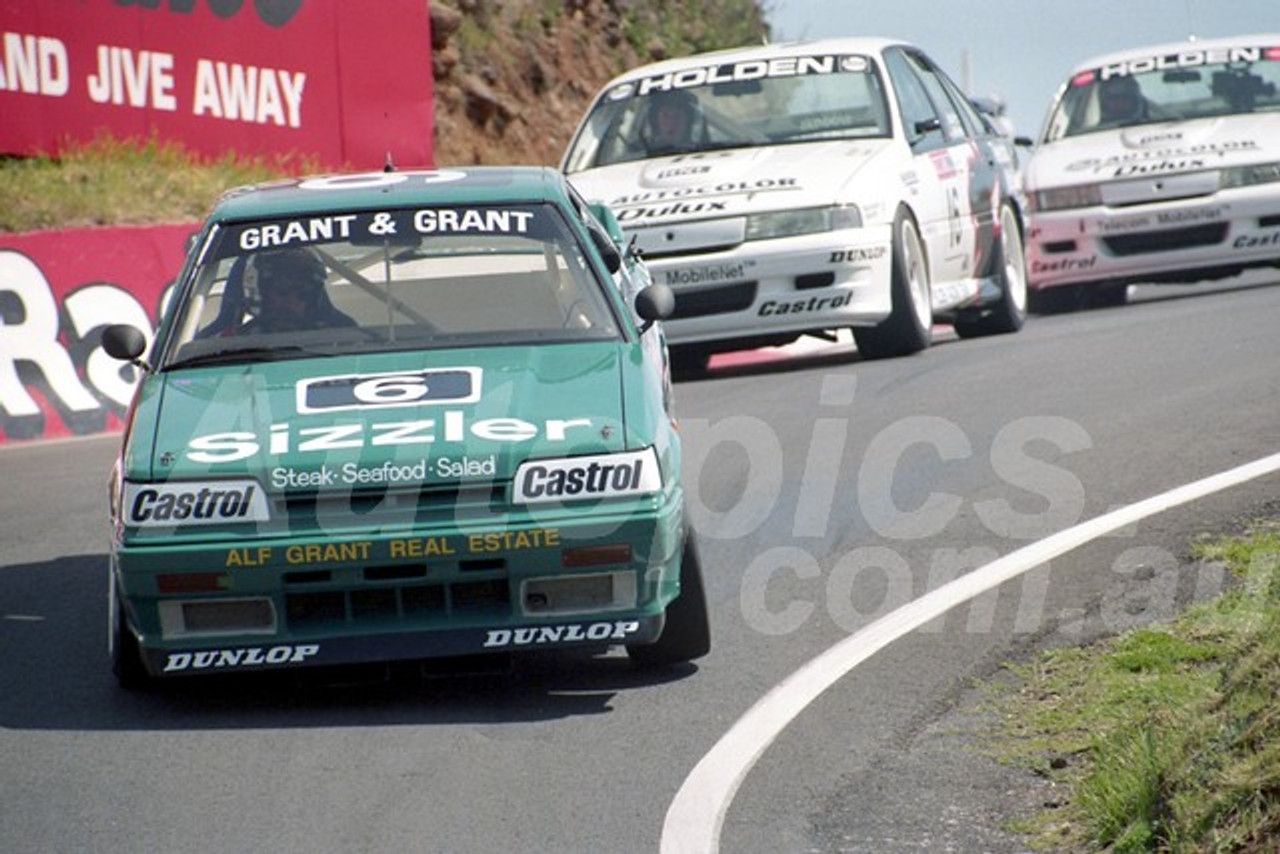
pixel 829 493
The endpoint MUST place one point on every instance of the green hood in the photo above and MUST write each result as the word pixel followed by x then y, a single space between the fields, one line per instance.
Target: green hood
pixel 387 419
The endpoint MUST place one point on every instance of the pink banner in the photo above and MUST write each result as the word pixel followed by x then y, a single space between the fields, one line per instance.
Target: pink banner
pixel 343 82
pixel 58 289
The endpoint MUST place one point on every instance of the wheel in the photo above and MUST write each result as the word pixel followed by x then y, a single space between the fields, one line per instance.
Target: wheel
pixel 686 634
pixel 1108 296
pixel 126 656
pixel 1010 312
pixel 1055 300
pixel 909 326
pixel 689 360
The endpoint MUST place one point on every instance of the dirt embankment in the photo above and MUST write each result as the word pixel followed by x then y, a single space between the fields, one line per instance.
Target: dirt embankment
pixel 512 77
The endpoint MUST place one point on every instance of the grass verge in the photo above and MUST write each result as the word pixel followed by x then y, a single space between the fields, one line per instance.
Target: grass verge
pixel 112 181
pixel 1165 738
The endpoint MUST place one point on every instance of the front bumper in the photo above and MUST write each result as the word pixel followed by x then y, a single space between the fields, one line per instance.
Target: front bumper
pixel 1171 241
pixel 584 580
pixel 784 286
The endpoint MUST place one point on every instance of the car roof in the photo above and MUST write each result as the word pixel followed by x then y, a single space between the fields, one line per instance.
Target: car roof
pixel 1166 48
pixel 370 190
pixel 867 45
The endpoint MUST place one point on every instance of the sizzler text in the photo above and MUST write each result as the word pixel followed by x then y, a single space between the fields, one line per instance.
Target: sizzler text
pixel 453 426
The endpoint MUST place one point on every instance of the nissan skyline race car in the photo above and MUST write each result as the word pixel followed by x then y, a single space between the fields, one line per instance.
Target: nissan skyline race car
pixel 1156 165
pixel 401 416
pixel 806 188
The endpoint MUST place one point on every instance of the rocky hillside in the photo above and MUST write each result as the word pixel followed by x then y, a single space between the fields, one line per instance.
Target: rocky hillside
pixel 512 77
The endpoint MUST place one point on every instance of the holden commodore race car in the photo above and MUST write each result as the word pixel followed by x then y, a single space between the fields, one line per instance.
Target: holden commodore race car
pixel 806 188
pixel 1156 165
pixel 401 416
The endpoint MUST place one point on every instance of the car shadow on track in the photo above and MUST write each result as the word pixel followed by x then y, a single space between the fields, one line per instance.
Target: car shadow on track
pixel 57 676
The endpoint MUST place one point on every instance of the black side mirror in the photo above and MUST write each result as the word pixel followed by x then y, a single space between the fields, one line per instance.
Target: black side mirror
pixel 124 342
pixel 656 302
pixel 608 250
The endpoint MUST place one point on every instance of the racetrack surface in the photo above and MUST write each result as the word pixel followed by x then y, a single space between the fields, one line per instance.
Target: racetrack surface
pixel 828 493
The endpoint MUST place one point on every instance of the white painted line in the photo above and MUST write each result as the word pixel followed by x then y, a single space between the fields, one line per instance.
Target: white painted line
pixel 696 816
pixel 23 618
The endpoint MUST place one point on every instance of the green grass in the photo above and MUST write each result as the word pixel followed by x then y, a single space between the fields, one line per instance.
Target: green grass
pixel 119 182
pixel 1166 738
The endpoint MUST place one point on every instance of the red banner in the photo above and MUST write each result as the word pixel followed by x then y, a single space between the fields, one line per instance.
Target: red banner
pixel 346 83
pixel 58 289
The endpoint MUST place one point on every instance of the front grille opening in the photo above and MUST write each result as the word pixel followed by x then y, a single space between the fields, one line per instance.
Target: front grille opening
pixel 423 601
pixel 481 596
pixel 718 300
pixel 815 280
pixel 1167 241
pixel 1269 221
pixel 310 608
pixel 310 576
pixel 482 564
pixel 377 604
pixel 1058 247
pixel 395 573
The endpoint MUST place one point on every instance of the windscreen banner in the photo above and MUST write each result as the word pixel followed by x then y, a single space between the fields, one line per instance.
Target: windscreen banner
pixel 343 83
pixel 58 290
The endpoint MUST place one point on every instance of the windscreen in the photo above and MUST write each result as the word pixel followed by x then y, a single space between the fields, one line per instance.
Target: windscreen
pixel 774 101
pixel 1193 84
pixel 356 282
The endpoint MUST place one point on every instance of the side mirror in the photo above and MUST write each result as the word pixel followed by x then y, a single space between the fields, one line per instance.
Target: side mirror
pixel 124 342
pixel 656 302
pixel 608 250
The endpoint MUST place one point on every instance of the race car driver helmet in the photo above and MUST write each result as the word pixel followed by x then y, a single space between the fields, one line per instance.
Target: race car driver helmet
pixel 1119 98
pixel 673 122
pixel 290 285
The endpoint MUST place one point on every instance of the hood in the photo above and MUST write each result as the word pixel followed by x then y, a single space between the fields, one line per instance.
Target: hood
pixel 434 417
pixel 730 182
pixel 1156 149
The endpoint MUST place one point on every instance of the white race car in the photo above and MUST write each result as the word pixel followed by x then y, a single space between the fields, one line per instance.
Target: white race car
pixel 806 188
pixel 1160 164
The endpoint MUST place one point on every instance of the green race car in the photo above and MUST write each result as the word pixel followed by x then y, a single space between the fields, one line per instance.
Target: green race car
pixel 398 416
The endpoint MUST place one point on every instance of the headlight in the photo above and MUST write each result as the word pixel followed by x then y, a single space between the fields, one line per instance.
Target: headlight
pixel 629 474
pixel 1247 176
pixel 767 226
pixel 1080 196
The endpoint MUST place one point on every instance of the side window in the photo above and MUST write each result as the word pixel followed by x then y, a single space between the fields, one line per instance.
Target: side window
pixel 923 126
pixel 952 125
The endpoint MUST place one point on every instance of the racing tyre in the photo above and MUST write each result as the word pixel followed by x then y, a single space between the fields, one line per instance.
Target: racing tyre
pixel 1108 296
pixel 1056 300
pixel 689 361
pixel 686 634
pixel 126 657
pixel 908 328
pixel 1009 313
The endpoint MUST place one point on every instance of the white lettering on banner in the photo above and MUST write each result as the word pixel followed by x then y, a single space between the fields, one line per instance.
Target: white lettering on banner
pixel 618 630
pixel 308 231
pixel 141 80
pixel 247 93
pixel 501 221
pixel 254 656
pixel 749 70
pixel 36 65
pixel 35 341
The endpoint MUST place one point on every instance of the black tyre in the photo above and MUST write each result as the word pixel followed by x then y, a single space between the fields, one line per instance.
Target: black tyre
pixel 1059 299
pixel 689 360
pixel 687 632
pixel 909 327
pixel 126 657
pixel 1009 313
